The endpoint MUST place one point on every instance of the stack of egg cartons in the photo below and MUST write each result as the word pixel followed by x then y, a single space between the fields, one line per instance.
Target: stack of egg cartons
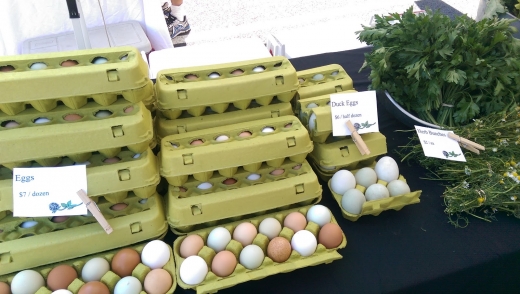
pixel 78 107
pixel 330 153
pixel 232 150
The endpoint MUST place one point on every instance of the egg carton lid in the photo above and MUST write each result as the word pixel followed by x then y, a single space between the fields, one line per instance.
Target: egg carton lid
pixel 186 212
pixel 212 283
pixel 117 74
pixel 109 279
pixel 30 141
pixel 129 226
pixel 174 90
pixel 375 207
pixel 289 138
pixel 323 80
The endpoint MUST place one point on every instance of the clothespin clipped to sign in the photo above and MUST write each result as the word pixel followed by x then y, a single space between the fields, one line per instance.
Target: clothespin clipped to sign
pixel 463 142
pixel 360 144
pixel 95 211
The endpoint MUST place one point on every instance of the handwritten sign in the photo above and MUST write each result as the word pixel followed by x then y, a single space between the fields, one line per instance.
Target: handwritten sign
pixel 358 107
pixel 437 144
pixel 48 191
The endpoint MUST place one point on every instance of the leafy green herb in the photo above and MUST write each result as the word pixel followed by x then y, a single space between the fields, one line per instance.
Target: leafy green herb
pixel 448 71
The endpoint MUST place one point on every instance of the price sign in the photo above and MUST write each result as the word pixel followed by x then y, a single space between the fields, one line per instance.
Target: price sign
pixel 48 191
pixel 436 143
pixel 358 107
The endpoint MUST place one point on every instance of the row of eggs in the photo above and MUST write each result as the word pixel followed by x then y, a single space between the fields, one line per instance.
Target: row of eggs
pixel 193 269
pixel 154 255
pixel 215 74
pixel 66 63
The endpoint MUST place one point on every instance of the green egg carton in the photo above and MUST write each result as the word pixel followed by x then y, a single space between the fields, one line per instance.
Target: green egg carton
pixel 210 119
pixel 303 110
pixel 77 139
pixel 110 279
pixel 53 240
pixel 341 153
pixel 192 89
pixel 179 158
pixel 323 80
pixel 213 283
pixel 125 73
pixel 190 207
pixel 375 207
pixel 113 181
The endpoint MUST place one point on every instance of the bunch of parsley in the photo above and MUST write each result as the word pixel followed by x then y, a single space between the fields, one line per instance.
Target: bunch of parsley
pixel 447 71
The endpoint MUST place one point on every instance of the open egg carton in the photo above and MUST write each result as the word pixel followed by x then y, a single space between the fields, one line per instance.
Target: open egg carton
pixel 138 173
pixel 304 108
pixel 323 80
pixel 73 78
pixel 74 133
pixel 215 258
pixel 342 153
pixel 193 89
pixel 27 242
pixel 89 271
pixel 195 204
pixel 225 148
pixel 396 200
pixel 209 119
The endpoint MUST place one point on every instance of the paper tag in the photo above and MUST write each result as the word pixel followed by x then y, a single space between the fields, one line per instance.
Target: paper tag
pixel 358 107
pixel 436 143
pixel 48 191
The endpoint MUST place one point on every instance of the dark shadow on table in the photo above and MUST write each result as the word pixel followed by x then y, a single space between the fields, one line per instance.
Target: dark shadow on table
pixel 440 5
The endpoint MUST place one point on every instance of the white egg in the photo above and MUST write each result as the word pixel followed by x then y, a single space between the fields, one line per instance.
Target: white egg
pixel 38 65
pixel 99 60
pixel 317 77
pixel 27 281
pixel 352 201
pixel 94 269
pixel 218 239
pixel 397 187
pixel 193 270
pixel 253 177
pixel 268 130
pixel 304 242
pixel 214 75
pixel 312 105
pixel 251 257
pixel 41 120
pixel 386 169
pixel 28 224
pixel 155 254
pixel 319 215
pixel 312 122
pixel 259 69
pixel 128 285
pixel 334 73
pixel 222 138
pixel 376 191
pixel 270 227
pixel 366 177
pixel 205 185
pixel 103 113
pixel 341 181
pixel 62 291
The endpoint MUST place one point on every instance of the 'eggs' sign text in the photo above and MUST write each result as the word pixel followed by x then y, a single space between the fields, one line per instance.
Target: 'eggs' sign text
pixel 358 107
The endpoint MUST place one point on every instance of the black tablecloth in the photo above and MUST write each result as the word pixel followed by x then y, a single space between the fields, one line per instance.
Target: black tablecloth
pixel 414 250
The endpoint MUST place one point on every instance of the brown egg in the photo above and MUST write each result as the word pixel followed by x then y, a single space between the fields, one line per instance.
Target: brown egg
pixel 245 233
pixel 6 68
pixel 330 235
pixel 11 124
pixel 4 288
pixel 295 221
pixel 237 72
pixel 289 125
pixel 129 109
pixel 297 167
pixel 61 277
pixel 125 261
pixel 158 281
pixel 67 63
pixel 279 249
pixel 245 134
pixel 229 181
pixel 191 245
pixel 94 287
pixel 59 219
pixel 119 206
pixel 191 77
pixel 112 160
pixel 277 172
pixel 224 263
pixel 72 117
pixel 196 142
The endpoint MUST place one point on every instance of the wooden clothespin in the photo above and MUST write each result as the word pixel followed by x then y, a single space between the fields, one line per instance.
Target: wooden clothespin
pixel 470 145
pixel 95 211
pixel 360 144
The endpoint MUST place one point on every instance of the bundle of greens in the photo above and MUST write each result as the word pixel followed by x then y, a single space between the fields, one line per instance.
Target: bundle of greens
pixel 485 183
pixel 447 71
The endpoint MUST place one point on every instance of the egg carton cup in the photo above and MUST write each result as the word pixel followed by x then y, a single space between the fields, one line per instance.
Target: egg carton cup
pixel 213 283
pixel 178 158
pixel 112 181
pixel 323 80
pixel 210 119
pixel 77 139
pixel 192 88
pixel 125 73
pixel 191 209
pixel 375 207
pixel 49 242
pixel 304 107
pixel 110 279
pixel 341 152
